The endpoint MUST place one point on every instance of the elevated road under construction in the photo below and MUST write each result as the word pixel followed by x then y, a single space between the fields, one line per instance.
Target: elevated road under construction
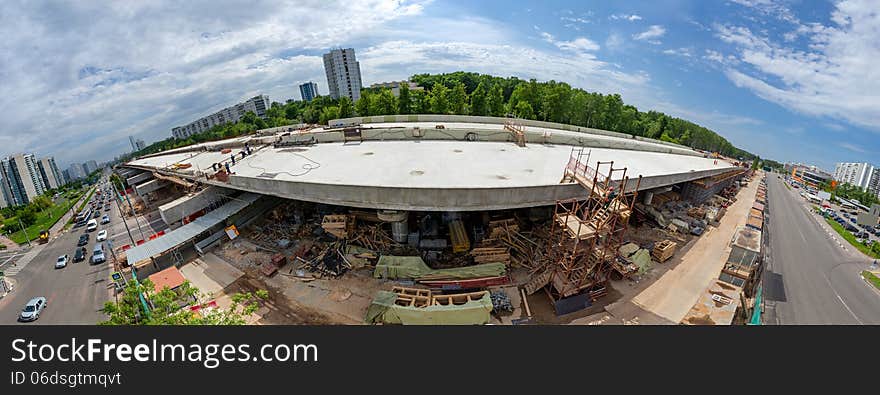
pixel 427 163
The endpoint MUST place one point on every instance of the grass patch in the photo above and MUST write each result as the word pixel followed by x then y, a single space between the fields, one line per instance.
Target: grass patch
pixel 874 280
pixel 851 239
pixel 45 219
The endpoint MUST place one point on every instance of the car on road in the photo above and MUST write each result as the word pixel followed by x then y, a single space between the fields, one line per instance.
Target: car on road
pixel 92 226
pixel 62 261
pixel 98 254
pixel 80 254
pixel 105 219
pixel 32 310
pixel 83 240
pixel 102 235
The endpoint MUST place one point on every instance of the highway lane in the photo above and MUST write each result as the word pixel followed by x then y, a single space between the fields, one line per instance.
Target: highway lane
pixel 810 278
pixel 75 294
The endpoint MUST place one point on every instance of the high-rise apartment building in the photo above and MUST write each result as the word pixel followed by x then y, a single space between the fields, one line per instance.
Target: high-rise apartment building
pixel 76 171
pixel 856 174
pixel 52 177
pixel 136 144
pixel 90 167
pixel 343 74
pixel 308 91
pixel 23 179
pixel 257 105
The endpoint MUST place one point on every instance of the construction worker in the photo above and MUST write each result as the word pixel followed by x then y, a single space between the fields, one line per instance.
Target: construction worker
pixel 609 196
pixel 233 158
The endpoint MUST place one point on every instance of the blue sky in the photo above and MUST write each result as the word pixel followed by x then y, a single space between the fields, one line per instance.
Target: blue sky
pixel 792 80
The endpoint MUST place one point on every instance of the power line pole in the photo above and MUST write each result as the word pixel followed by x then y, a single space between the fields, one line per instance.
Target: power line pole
pixel 118 208
pixel 23 230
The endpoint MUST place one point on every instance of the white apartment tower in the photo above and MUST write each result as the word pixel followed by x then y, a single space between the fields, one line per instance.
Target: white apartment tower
pixel 856 174
pixel 21 173
pixel 343 74
pixel 52 178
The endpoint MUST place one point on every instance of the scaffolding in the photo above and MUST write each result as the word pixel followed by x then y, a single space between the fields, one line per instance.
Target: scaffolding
pixel 518 131
pixel 587 231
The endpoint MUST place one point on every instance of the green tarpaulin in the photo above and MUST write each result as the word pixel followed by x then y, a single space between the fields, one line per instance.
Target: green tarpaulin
pixel 413 267
pixel 384 310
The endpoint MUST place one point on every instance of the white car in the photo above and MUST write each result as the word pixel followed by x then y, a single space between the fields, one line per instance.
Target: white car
pixel 102 235
pixel 61 262
pixel 92 225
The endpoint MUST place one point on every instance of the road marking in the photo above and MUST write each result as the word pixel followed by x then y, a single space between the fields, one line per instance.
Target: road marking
pixel 841 300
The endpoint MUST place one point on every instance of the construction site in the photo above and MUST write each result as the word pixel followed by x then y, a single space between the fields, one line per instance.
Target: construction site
pixel 436 219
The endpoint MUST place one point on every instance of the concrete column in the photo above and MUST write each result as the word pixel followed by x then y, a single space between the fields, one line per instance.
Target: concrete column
pixel 649 196
pixel 399 223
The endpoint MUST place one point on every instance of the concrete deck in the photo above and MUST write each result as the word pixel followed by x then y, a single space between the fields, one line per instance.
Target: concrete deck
pixel 393 170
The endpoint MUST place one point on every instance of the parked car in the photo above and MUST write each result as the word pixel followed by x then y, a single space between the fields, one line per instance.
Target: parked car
pixel 62 261
pixel 105 219
pixel 102 235
pixel 83 240
pixel 92 225
pixel 80 254
pixel 33 308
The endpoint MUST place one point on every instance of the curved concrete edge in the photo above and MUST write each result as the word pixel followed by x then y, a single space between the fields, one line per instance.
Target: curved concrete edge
pixel 491 120
pixel 438 199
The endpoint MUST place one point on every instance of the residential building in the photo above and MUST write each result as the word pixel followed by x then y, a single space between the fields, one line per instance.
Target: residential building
pixel 308 91
pixel 136 144
pixel 855 174
pixel 66 174
pixel 343 74
pixel 257 105
pixel 395 86
pixel 90 167
pixel 52 178
pixel 76 171
pixel 5 194
pixel 22 175
pixel 874 182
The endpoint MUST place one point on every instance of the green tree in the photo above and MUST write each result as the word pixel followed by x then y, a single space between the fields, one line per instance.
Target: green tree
pixel 458 100
pixel 404 101
pixel 311 114
pixel 384 104
pixel 524 110
pixel 421 102
pixel 479 100
pixel 362 106
pixel 345 107
pixel 329 113
pixel 495 103
pixel 168 307
pixel 439 100
pixel 28 216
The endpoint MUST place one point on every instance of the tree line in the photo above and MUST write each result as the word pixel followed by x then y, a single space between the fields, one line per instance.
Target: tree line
pixel 465 93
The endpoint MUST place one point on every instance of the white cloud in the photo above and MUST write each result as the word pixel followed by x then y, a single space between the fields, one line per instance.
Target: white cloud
pixel 852 147
pixel 650 35
pixel 626 17
pixel 88 75
pixel 683 52
pixel 835 75
pixel 579 44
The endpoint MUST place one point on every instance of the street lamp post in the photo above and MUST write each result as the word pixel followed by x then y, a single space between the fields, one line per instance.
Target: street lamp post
pixel 23 230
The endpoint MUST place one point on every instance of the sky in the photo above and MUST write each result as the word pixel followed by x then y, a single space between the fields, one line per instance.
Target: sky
pixel 790 80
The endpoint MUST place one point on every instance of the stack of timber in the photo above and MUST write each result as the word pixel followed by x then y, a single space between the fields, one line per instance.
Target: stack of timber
pixel 340 226
pixel 664 250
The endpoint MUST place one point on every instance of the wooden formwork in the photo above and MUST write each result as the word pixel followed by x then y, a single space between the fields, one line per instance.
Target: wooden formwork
pixel 663 250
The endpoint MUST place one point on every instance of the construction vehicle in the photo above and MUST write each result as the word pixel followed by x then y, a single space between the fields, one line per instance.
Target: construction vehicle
pixel 44 237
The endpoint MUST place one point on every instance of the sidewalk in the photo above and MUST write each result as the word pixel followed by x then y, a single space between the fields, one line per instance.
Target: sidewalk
pixel 673 295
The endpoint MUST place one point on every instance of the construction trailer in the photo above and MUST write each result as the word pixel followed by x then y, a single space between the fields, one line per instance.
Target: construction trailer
pixel 586 232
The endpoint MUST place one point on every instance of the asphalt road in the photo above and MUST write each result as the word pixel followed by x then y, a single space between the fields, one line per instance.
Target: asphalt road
pixel 75 294
pixel 810 278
